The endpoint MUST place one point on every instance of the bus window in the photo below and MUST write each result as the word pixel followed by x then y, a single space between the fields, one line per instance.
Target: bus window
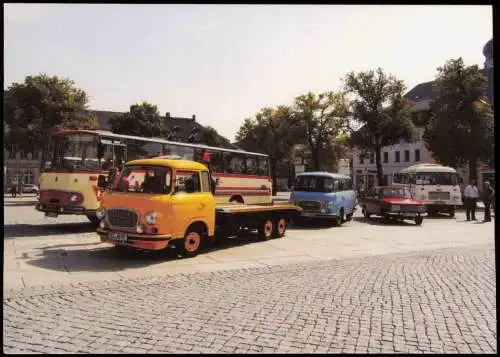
pixel 251 165
pixel 263 166
pixel 216 161
pixel 238 163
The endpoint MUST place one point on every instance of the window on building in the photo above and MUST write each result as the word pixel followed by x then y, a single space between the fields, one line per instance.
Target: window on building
pixel 372 158
pixel 386 157
pixel 397 156
pixel 407 155
pixel 361 159
pixel 417 154
pixel 386 179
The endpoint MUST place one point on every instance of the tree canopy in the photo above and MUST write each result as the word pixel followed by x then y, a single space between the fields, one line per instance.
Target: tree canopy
pixel 41 104
pixel 460 130
pixel 380 107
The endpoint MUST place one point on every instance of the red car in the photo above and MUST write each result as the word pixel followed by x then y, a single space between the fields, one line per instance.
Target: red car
pixel 393 202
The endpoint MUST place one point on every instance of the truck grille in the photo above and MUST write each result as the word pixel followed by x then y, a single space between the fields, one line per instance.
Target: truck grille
pixel 122 218
pixel 310 205
pixel 439 195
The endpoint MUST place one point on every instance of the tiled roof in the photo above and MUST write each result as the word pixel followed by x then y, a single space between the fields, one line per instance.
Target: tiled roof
pixel 425 91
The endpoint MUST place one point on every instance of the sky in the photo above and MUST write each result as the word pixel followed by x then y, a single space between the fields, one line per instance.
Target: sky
pixel 224 63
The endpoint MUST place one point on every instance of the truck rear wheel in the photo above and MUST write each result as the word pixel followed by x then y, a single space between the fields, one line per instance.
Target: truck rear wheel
pixel 280 227
pixel 266 229
pixel 192 243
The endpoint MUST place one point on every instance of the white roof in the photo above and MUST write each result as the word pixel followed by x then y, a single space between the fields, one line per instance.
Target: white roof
pixel 428 168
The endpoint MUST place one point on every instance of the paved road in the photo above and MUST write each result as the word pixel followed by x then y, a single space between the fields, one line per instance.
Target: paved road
pixel 363 287
pixel 439 301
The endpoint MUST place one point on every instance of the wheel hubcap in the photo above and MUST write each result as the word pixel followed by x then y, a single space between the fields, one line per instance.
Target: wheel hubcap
pixel 192 242
pixel 268 228
pixel 281 226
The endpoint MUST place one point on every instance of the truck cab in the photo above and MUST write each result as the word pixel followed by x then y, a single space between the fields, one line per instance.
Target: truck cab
pixel 156 203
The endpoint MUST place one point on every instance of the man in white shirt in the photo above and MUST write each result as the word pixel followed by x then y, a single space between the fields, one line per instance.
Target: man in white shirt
pixel 471 195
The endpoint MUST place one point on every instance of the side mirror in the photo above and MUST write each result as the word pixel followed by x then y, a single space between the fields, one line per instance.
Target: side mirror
pixel 102 181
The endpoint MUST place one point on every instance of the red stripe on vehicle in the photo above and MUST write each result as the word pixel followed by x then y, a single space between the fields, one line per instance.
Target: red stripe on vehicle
pixel 219 174
pixel 242 194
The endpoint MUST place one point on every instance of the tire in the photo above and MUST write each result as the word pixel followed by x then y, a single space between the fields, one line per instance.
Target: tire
pixel 366 214
pixel 192 243
pixel 299 221
pixel 280 227
pixel 341 216
pixel 452 212
pixel 93 219
pixel 419 220
pixel 266 229
pixel 348 217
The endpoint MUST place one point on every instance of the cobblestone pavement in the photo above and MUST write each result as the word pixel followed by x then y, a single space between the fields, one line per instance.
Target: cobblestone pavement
pixel 430 301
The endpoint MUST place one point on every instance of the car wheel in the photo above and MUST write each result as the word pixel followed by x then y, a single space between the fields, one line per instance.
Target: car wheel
pixel 348 217
pixel 452 212
pixel 419 220
pixel 366 214
pixel 341 216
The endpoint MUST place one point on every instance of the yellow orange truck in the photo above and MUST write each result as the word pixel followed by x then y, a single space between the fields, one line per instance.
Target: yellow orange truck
pixel 160 203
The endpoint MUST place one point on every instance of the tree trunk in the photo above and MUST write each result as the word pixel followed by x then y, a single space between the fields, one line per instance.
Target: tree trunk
pixel 473 169
pixel 274 177
pixel 378 162
pixel 315 158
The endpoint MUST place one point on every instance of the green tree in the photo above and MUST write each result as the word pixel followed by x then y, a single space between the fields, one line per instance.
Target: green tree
pixel 209 136
pixel 272 132
pixel 322 119
pixel 460 128
pixel 143 119
pixel 381 109
pixel 40 105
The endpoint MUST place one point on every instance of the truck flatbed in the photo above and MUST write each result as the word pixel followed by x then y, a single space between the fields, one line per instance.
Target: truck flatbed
pixel 269 220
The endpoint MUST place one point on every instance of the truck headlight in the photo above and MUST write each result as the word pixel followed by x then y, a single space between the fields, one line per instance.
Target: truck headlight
pixel 395 208
pixel 101 212
pixel 151 217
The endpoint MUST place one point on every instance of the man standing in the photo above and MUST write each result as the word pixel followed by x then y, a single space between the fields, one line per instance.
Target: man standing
pixel 488 195
pixel 471 194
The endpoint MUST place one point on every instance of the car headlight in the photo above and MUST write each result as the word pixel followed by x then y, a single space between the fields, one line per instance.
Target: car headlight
pixel 330 205
pixel 151 217
pixel 101 212
pixel 73 197
pixel 395 208
pixel 139 229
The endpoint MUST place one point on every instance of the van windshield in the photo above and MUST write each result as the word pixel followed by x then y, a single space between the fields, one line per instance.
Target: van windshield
pixel 314 184
pixel 436 178
pixel 143 179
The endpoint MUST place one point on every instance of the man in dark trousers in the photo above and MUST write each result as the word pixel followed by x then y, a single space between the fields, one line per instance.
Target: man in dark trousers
pixel 471 194
pixel 488 195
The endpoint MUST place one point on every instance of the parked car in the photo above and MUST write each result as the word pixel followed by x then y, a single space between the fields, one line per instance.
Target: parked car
pixel 28 188
pixel 393 202
pixel 324 196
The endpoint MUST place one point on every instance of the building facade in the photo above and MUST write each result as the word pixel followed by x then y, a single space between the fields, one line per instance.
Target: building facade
pixel 397 157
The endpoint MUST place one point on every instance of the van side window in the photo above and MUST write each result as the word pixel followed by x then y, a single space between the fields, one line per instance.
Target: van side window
pixel 263 166
pixel 205 182
pixel 251 165
pixel 187 181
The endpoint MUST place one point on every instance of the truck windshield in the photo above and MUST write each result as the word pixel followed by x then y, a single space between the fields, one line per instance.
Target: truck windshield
pixel 73 152
pixel 436 178
pixel 314 184
pixel 143 179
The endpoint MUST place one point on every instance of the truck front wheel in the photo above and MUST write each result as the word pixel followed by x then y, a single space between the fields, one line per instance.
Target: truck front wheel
pixel 192 243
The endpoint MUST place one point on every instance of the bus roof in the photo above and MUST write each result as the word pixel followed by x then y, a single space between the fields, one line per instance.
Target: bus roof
pixel 175 164
pixel 152 140
pixel 324 174
pixel 428 168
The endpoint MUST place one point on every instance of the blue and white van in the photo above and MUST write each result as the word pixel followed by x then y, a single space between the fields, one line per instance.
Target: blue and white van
pixel 324 195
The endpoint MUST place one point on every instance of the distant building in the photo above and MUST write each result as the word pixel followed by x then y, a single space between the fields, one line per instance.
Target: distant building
pixel 397 157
